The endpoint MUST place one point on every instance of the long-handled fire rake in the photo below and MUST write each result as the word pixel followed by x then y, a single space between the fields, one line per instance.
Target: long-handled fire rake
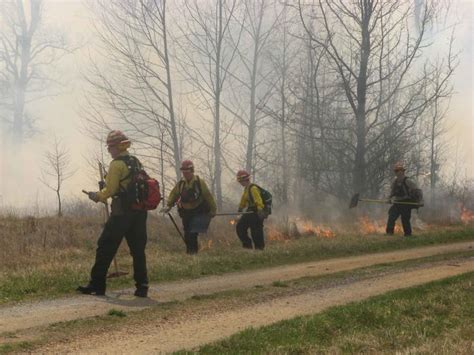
pixel 355 201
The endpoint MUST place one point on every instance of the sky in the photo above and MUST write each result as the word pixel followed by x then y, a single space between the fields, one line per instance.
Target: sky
pixel 60 114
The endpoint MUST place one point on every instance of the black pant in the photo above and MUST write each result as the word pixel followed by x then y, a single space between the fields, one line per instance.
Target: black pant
pixel 190 239
pixel 132 226
pixel 255 224
pixel 393 213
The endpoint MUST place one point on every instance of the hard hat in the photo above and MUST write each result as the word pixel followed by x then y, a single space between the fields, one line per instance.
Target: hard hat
pixel 243 175
pixel 116 137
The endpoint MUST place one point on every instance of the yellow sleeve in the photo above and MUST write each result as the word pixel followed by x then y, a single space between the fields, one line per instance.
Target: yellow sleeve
pixel 173 196
pixel 206 194
pixel 257 198
pixel 117 169
pixel 243 200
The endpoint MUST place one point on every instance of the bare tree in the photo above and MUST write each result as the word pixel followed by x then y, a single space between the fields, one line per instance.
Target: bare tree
pixel 27 49
pixel 388 84
pixel 134 89
pixel 207 53
pixel 56 169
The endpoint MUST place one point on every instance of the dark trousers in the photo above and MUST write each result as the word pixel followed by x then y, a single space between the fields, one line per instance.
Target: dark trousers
pixel 190 239
pixel 396 211
pixel 132 226
pixel 256 230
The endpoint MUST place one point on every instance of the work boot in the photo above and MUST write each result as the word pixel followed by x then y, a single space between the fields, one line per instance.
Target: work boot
pixel 91 290
pixel 141 291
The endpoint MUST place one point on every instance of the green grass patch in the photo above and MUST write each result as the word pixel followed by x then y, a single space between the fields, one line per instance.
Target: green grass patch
pixel 61 275
pixel 434 318
pixel 116 313
pixel 20 347
pixel 279 284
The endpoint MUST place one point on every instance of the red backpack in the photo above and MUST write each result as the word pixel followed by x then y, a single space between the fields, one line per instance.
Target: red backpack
pixel 142 192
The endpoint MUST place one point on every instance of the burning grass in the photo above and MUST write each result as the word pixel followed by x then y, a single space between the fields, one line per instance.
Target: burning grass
pixel 44 257
pixel 467 216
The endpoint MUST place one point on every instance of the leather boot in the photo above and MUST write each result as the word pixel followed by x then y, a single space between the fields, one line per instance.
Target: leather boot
pixel 141 291
pixel 91 290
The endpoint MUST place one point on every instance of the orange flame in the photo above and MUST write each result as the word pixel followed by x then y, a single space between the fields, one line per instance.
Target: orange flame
pixel 373 227
pixel 232 221
pixel 308 228
pixel 467 216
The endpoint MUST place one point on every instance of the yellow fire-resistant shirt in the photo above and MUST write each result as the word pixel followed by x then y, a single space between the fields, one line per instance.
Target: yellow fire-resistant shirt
pixel 245 201
pixel 204 196
pixel 118 170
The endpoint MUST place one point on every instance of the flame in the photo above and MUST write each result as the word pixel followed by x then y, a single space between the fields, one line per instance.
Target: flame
pixel 232 221
pixel 467 216
pixel 308 228
pixel 373 227
pixel 274 234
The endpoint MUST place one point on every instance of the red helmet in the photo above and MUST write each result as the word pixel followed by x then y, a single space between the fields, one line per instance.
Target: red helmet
pixel 187 165
pixel 116 137
pixel 398 166
pixel 243 175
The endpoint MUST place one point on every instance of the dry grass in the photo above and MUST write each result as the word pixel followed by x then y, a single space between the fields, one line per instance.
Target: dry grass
pixel 48 256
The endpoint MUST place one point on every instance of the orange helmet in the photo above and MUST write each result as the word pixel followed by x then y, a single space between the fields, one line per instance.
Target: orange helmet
pixel 398 166
pixel 187 165
pixel 116 137
pixel 243 175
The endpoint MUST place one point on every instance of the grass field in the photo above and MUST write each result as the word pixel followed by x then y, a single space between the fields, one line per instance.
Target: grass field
pixel 437 318
pixel 49 257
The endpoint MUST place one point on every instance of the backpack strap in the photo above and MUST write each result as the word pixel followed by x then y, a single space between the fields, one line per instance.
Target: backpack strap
pixel 196 185
pixel 132 163
pixel 405 185
pixel 250 193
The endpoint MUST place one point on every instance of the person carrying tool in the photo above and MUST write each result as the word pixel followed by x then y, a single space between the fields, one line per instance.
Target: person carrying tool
pixel 252 199
pixel 124 221
pixel 403 190
pixel 193 198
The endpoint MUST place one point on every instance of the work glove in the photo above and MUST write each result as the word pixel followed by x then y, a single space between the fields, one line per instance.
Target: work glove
pixel 165 209
pixel 240 210
pixel 93 196
pixel 261 215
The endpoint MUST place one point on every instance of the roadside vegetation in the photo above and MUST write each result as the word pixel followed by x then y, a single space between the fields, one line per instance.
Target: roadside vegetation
pixel 48 257
pixel 436 318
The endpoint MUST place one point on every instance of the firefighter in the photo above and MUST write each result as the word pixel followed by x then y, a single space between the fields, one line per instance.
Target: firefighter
pixel 123 222
pixel 401 191
pixel 252 199
pixel 193 199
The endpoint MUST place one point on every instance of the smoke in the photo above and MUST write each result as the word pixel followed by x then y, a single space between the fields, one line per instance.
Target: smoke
pixel 20 170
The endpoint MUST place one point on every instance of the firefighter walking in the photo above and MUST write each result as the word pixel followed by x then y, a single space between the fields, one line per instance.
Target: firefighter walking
pixel 252 200
pixel 123 222
pixel 193 198
pixel 403 189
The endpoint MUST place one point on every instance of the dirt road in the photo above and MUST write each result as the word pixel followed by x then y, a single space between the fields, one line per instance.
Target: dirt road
pixel 35 314
pixel 199 329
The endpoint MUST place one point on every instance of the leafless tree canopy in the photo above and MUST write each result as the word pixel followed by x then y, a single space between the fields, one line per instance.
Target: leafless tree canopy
pixel 314 98
pixel 28 52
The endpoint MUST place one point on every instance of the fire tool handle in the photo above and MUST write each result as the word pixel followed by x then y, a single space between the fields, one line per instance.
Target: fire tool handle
pixel 233 213
pixel 101 184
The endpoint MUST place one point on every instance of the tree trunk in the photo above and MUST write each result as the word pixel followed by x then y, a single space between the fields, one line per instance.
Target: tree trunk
pixel 174 134
pixel 217 123
pixel 359 175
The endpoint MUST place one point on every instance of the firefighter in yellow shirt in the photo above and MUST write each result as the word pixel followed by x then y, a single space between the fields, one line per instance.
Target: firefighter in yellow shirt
pixel 252 199
pixel 123 222
pixel 193 199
